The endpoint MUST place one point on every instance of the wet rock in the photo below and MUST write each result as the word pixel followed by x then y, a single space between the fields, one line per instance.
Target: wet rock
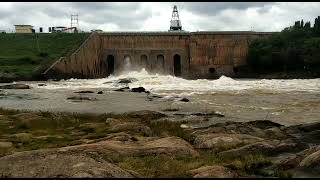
pixel 212 172
pixel 184 126
pixel 49 164
pixel 153 97
pixel 124 89
pixel 15 86
pixel 217 114
pixel 100 92
pixel 127 80
pixel 203 114
pixel 184 100
pixel 5 145
pixel 138 89
pixel 222 141
pixel 84 92
pixel 3 93
pixel 108 82
pixel 81 98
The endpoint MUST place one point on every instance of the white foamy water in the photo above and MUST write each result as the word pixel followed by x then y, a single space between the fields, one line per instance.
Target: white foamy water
pixel 158 83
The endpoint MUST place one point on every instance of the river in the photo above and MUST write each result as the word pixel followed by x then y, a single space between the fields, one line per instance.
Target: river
pixel 288 102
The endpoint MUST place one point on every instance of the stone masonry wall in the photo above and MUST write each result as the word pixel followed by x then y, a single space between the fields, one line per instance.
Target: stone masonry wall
pixel 201 54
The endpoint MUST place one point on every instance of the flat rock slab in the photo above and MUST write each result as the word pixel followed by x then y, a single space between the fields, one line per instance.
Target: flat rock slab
pixel 84 92
pixel 49 164
pixel 218 140
pixel 212 172
pixel 173 146
pixel 15 86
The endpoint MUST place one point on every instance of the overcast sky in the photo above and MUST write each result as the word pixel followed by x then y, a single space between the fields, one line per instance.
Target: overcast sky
pixel 155 16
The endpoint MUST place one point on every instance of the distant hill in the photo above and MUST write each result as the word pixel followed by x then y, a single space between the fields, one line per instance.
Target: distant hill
pixel 25 56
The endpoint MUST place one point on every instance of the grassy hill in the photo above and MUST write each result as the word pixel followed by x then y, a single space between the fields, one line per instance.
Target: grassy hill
pixel 25 56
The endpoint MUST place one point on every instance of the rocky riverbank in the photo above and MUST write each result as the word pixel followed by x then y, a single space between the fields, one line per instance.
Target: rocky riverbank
pixel 152 144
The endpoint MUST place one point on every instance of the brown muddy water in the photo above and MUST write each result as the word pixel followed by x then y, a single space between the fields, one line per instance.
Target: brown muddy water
pixel 287 102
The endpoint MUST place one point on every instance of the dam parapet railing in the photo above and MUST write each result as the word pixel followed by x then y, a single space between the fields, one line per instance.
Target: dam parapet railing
pixel 68 57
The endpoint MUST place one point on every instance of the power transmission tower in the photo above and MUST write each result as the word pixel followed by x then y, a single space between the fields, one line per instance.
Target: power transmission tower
pixel 175 23
pixel 75 21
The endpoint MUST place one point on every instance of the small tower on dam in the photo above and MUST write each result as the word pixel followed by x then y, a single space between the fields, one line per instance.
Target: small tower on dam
pixel 175 23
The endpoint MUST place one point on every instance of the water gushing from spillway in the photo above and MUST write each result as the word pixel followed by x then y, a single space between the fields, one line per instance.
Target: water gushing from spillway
pixel 127 64
pixel 156 83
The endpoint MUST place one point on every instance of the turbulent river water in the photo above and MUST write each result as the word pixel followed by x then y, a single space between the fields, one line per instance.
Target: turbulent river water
pixel 288 102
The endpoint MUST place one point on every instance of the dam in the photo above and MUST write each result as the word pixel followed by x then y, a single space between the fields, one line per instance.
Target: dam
pixel 190 55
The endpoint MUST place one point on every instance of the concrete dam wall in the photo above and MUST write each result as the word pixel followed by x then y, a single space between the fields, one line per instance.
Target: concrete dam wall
pixel 191 55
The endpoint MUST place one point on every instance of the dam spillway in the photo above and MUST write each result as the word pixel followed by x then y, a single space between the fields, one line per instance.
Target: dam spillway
pixel 190 55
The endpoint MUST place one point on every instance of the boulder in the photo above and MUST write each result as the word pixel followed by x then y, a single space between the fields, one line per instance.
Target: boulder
pixel 184 100
pixel 15 86
pixel 213 172
pixel 265 148
pixel 217 114
pixel 100 92
pixel 250 128
pixel 172 146
pixel 84 92
pixel 127 80
pixel 124 89
pixel 222 141
pixel 285 161
pixel 138 89
pixel 153 97
pixel 312 161
pixel 133 127
pixel 52 164
pixel 42 84
pixel 81 98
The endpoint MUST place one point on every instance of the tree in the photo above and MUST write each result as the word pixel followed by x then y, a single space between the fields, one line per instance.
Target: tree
pixel 307 25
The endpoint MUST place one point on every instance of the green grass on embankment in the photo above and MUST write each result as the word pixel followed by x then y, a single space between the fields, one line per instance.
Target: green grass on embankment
pixel 24 56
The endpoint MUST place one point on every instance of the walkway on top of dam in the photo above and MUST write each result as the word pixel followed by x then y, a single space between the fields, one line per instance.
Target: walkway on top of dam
pixel 187 33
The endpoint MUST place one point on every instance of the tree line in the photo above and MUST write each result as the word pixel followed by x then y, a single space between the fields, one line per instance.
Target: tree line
pixel 295 48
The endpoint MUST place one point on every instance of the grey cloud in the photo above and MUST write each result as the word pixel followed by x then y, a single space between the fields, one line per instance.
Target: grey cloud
pixel 133 15
pixel 210 8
